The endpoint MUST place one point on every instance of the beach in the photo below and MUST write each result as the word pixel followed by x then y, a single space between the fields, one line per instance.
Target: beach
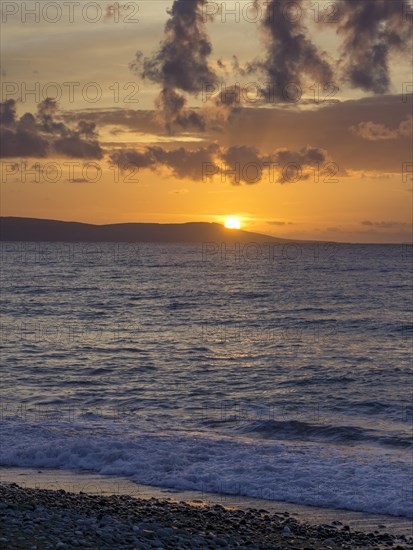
pixel 99 512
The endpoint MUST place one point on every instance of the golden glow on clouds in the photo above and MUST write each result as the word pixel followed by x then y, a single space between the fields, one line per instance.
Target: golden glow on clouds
pixel 130 138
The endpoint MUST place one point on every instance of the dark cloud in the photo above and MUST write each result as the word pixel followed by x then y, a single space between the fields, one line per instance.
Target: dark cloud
pixel 43 134
pixel 182 60
pixel 86 128
pixel 20 143
pixel 212 160
pixel 282 162
pixel 76 147
pixel 7 112
pixel 243 154
pixel 295 165
pixel 130 157
pixel 290 54
pixel 306 156
pixel 183 163
pixel 27 122
pixel 19 137
pixel 186 163
pixel 172 105
pixel 371 31
pixel 47 112
pixel 181 64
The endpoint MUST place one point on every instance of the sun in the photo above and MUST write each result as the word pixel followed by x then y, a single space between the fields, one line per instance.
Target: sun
pixel 232 223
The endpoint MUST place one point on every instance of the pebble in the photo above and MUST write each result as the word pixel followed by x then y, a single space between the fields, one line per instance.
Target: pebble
pixel 40 519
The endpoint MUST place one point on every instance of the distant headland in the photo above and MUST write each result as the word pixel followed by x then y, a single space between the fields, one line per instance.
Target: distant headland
pixel 33 229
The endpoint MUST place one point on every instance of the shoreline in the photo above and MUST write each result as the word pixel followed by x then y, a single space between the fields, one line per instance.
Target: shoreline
pixel 98 486
pixel 41 519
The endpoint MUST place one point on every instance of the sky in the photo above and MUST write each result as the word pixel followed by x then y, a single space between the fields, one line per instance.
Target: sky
pixel 294 116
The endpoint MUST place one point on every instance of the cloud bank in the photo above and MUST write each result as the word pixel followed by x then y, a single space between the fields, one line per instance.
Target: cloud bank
pixel 235 164
pixel 44 134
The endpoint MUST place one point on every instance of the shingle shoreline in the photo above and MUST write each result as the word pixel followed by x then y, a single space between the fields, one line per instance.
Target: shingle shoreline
pixel 39 519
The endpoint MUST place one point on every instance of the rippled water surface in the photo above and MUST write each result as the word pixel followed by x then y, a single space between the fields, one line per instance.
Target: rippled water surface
pixel 282 372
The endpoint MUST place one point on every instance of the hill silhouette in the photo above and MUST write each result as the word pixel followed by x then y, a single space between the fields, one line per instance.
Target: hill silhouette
pixel 32 229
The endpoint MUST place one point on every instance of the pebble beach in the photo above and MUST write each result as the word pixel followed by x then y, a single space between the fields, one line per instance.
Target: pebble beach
pixel 39 519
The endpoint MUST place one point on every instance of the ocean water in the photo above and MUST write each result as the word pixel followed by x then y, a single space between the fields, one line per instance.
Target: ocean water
pixel 276 371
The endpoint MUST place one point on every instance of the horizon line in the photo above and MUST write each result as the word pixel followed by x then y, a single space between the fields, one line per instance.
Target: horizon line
pixel 309 241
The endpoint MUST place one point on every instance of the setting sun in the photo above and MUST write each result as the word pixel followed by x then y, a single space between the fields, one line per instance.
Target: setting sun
pixel 232 223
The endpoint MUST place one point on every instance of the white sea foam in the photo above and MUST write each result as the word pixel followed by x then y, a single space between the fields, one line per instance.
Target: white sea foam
pixel 306 473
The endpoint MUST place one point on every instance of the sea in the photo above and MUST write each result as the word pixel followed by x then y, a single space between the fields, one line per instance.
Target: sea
pixel 281 371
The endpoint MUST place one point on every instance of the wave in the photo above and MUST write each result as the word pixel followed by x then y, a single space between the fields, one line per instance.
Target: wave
pixel 304 431
pixel 298 473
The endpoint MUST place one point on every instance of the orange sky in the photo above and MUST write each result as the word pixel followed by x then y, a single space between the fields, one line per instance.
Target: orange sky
pixel 364 137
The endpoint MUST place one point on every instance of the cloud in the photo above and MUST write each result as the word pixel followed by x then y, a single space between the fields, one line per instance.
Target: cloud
pixel 20 143
pixel 287 165
pixel 183 163
pixel 291 56
pixel 234 163
pixel 386 224
pixel 182 60
pixel 76 147
pixel 370 32
pixel 279 223
pixel 243 155
pixel 8 112
pixel 181 64
pixel 144 121
pixel 44 134
pixel 328 128
pixel 173 108
pixel 376 132
pixel 275 128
